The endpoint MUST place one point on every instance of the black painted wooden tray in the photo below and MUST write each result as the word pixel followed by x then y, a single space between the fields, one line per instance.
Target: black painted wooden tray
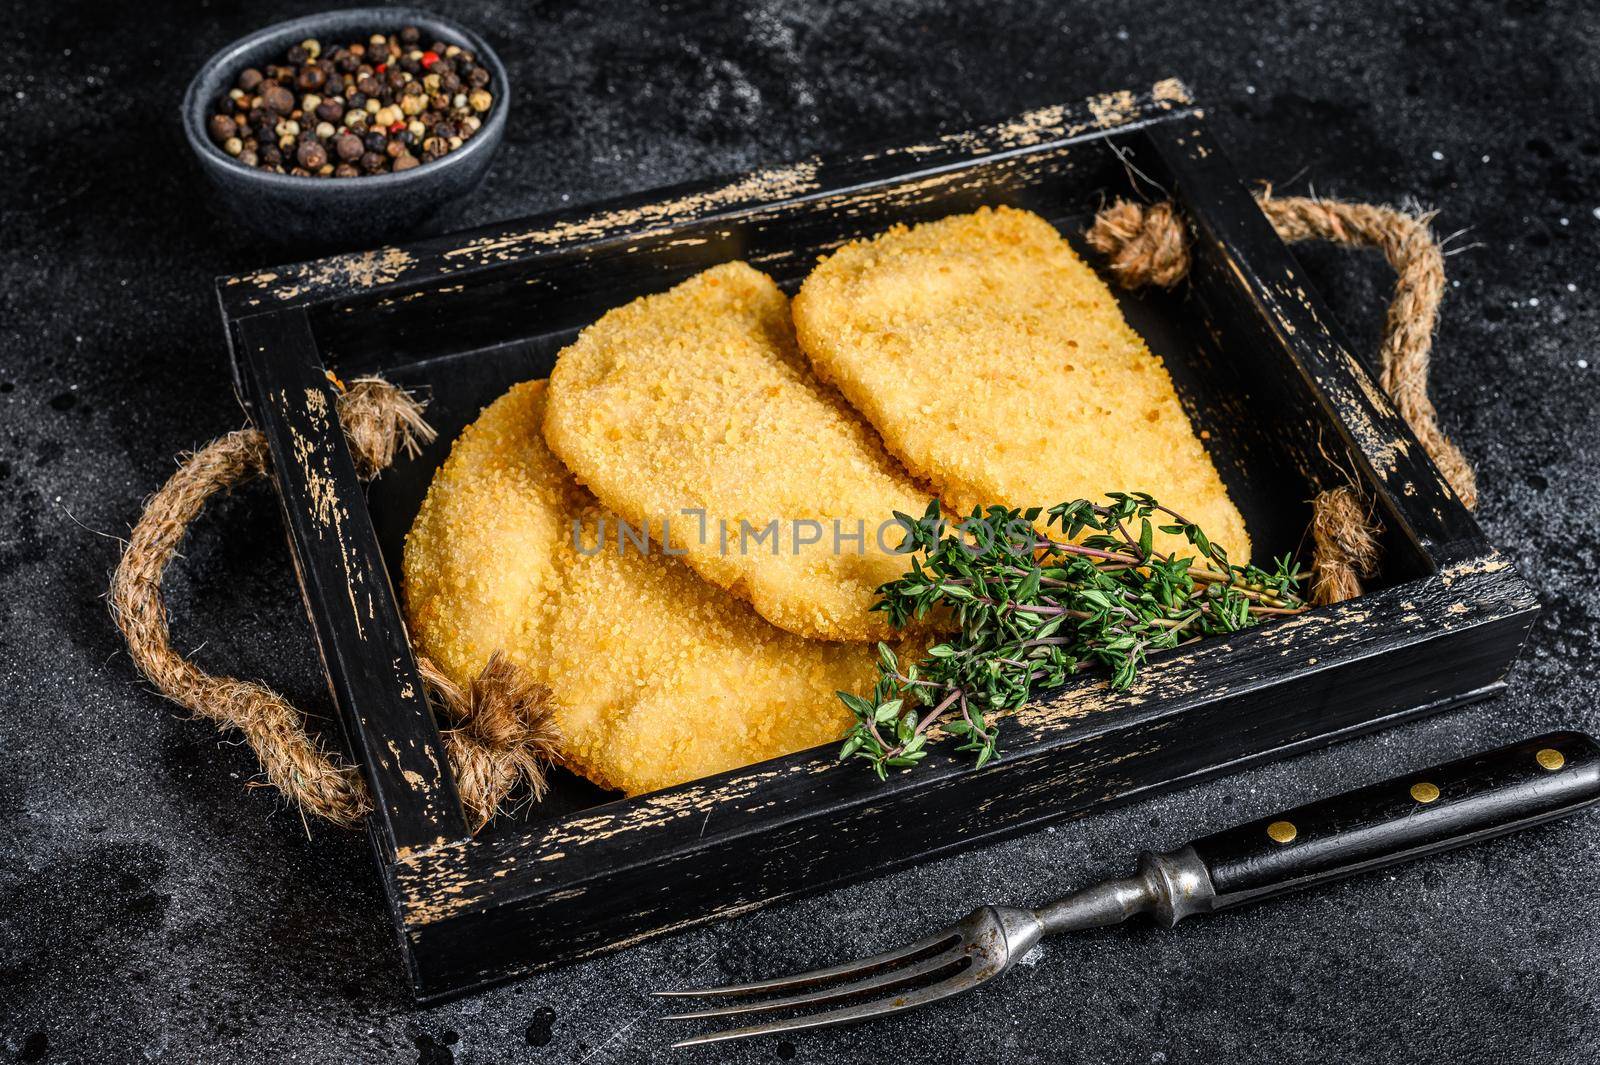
pixel 1256 357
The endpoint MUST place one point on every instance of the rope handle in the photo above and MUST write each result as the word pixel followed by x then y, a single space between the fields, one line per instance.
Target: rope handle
pixel 1147 244
pixel 502 735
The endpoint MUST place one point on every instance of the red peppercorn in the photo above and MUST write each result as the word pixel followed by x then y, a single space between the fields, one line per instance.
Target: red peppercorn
pixel 396 127
pixel 380 68
pixel 429 58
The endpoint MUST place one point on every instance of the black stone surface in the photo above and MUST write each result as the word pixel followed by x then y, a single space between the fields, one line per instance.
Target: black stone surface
pixel 153 906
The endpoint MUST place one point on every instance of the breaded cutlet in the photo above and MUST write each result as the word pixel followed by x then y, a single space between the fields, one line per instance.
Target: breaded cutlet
pixel 655 676
pixel 697 400
pixel 998 367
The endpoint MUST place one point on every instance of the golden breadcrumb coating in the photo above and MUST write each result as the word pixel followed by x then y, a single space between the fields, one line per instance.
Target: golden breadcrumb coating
pixel 698 399
pixel 656 677
pixel 998 367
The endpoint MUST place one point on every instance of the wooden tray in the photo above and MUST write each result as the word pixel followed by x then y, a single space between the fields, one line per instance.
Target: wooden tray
pixel 1256 357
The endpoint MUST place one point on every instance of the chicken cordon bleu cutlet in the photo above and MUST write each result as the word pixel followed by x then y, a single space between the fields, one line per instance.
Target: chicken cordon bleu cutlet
pixel 998 367
pixel 655 676
pixel 695 408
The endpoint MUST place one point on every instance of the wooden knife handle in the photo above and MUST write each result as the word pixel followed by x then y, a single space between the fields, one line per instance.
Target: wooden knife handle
pixel 1420 813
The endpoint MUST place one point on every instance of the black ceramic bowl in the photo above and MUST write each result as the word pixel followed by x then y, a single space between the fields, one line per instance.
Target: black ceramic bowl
pixel 313 210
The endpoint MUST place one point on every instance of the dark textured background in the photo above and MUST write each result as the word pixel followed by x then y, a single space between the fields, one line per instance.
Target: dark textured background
pixel 153 906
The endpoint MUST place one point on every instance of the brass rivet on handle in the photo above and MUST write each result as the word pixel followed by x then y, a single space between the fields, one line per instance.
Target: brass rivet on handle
pixel 1550 758
pixel 1424 792
pixel 1282 831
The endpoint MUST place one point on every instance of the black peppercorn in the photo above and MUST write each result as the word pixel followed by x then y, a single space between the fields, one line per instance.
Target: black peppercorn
pixel 378 53
pixel 330 110
pixel 355 101
pixel 310 79
pixel 372 162
pixel 410 35
pixel 346 170
pixel 348 147
pixel 311 154
pixel 277 98
pixel 375 142
pixel 221 127
pixel 270 155
pixel 249 79
pixel 405 162
pixel 450 83
pixel 346 61
pixel 298 54
pixel 478 78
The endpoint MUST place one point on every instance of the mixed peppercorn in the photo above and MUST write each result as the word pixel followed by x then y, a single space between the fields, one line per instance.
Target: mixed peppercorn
pixel 384 106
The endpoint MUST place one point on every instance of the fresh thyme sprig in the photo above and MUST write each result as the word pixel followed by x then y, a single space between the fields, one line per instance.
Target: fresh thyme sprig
pixel 1029 609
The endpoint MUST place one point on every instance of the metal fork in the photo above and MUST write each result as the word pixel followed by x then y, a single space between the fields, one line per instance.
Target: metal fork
pixel 1434 810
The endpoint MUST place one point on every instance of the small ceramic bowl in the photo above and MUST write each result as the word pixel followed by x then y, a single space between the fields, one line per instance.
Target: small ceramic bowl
pixel 312 210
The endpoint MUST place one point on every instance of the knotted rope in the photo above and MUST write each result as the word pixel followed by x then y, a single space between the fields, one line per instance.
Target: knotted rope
pixel 1147 244
pixel 502 736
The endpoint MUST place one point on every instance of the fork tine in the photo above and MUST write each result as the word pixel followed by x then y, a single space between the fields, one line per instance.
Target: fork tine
pixel 922 948
pixel 963 981
pixel 894 978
